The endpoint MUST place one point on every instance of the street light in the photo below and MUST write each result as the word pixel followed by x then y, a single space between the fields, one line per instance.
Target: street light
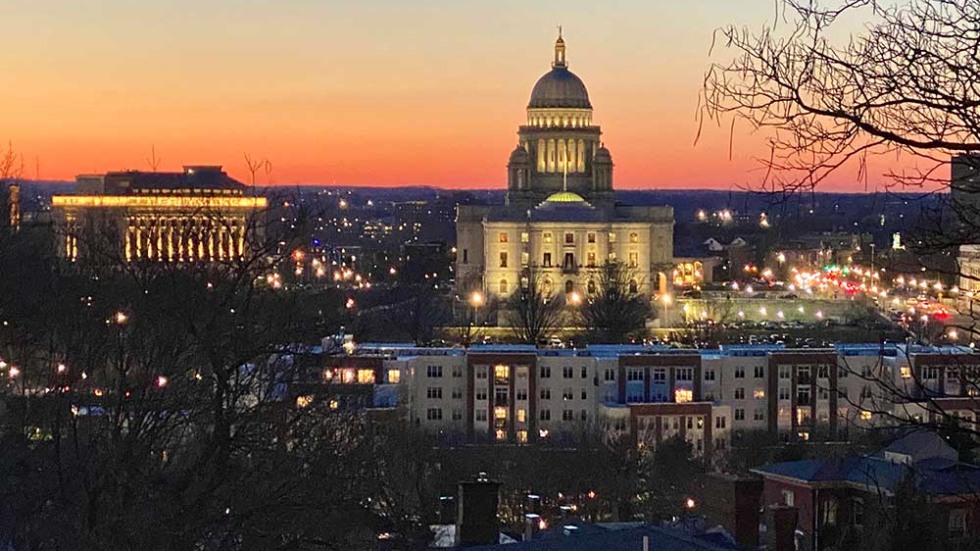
pixel 574 298
pixel 476 299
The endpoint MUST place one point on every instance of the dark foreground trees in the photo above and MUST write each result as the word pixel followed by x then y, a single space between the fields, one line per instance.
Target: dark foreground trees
pixel 616 312
pixel 148 406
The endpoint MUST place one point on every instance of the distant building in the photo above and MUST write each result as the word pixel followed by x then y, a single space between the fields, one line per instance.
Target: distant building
pixel 560 219
pixel 964 192
pixel 198 215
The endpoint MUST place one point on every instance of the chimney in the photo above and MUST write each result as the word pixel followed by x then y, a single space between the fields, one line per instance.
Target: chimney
pixel 476 512
pixel 781 528
pixel 531 524
pixel 733 502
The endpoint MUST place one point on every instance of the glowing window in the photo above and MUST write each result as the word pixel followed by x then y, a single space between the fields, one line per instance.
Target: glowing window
pixel 365 376
pixel 758 394
pixel 500 413
pixel 521 416
pixel 501 373
pixel 347 376
pixel 503 237
pixel 303 401
pixel 394 376
pixel 866 415
pixel 906 372
pixel 525 237
pixel 634 238
pixel 547 237
pixel 522 436
pixel 683 395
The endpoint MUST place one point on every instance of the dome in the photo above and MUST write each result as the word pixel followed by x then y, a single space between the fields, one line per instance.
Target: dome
pixel 602 155
pixel 565 197
pixel 559 88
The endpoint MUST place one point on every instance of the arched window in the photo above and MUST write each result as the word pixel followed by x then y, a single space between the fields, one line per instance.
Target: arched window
pixel 591 286
pixel 569 286
pixel 634 288
pixel 503 286
pixel 546 287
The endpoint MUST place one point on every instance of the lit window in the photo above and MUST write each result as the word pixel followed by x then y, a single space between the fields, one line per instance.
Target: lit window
pixel 906 372
pixel 522 436
pixel 634 260
pixel 525 237
pixel 500 413
pixel 866 415
pixel 501 434
pixel 634 238
pixel 304 401
pixel 347 376
pixel 547 237
pixel 365 376
pixel 521 416
pixel 503 237
pixel 394 376
pixel 758 394
pixel 683 395
pixel 501 373
pixel 612 237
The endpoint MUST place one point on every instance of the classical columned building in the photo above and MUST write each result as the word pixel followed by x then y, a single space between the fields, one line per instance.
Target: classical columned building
pixel 560 221
pixel 198 215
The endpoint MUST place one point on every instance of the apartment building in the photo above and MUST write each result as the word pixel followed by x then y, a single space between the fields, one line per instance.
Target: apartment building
pixel 521 395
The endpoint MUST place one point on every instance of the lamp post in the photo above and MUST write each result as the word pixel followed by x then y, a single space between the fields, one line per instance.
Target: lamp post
pixel 666 299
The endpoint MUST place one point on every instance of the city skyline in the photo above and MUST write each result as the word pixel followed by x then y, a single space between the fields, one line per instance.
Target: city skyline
pixel 420 95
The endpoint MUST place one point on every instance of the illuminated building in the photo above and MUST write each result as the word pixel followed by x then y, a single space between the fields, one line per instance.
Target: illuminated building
pixel 198 215
pixel 13 198
pixel 560 217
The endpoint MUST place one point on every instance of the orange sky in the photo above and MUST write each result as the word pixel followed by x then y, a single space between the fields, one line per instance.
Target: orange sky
pixel 372 92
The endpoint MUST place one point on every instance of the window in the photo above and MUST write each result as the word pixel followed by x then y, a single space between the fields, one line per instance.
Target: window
pixel 433 414
pixel 590 260
pixel 365 376
pixel 567 394
pixel 545 393
pixel 569 238
pixel 659 375
pixel 739 414
pixel 759 371
pixel 822 372
pixel 610 374
pixel 521 416
pixel 612 237
pixel 503 237
pixel 585 372
pixel 634 260
pixel 759 394
pixel 739 393
pixel 465 256
pixel 434 393
pixel 433 371
pixel 457 414
pixel 525 237
pixel 585 394
pixel 500 396
pixel 784 393
pixel 585 415
pixel 457 371
pixel 634 374
pixel 545 372
pixel 590 237
pixel 709 374
pixel 547 237
pixel 685 374
pixel 501 373
pixel 683 395
pixel 634 237
pixel 522 436
pixel 789 498
pixel 802 395
pixel 567 415
pixel 612 257
pixel 503 286
pixel 906 372
pixel 803 374
pixel 394 376
pixel 866 415
pixel 784 372
pixel 547 260
pixel 481 415
pixel 500 413
pixel 569 263
pixel 739 372
pixel 720 422
pixel 830 511
pixel 525 260
pixel 634 288
pixel 521 394
pixel 759 414
pixel 481 394
pixel 591 287
pixel 842 372
pixel 567 372
pixel 857 512
pixel 481 372
pixel 930 372
pixel 503 260
pixel 457 393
